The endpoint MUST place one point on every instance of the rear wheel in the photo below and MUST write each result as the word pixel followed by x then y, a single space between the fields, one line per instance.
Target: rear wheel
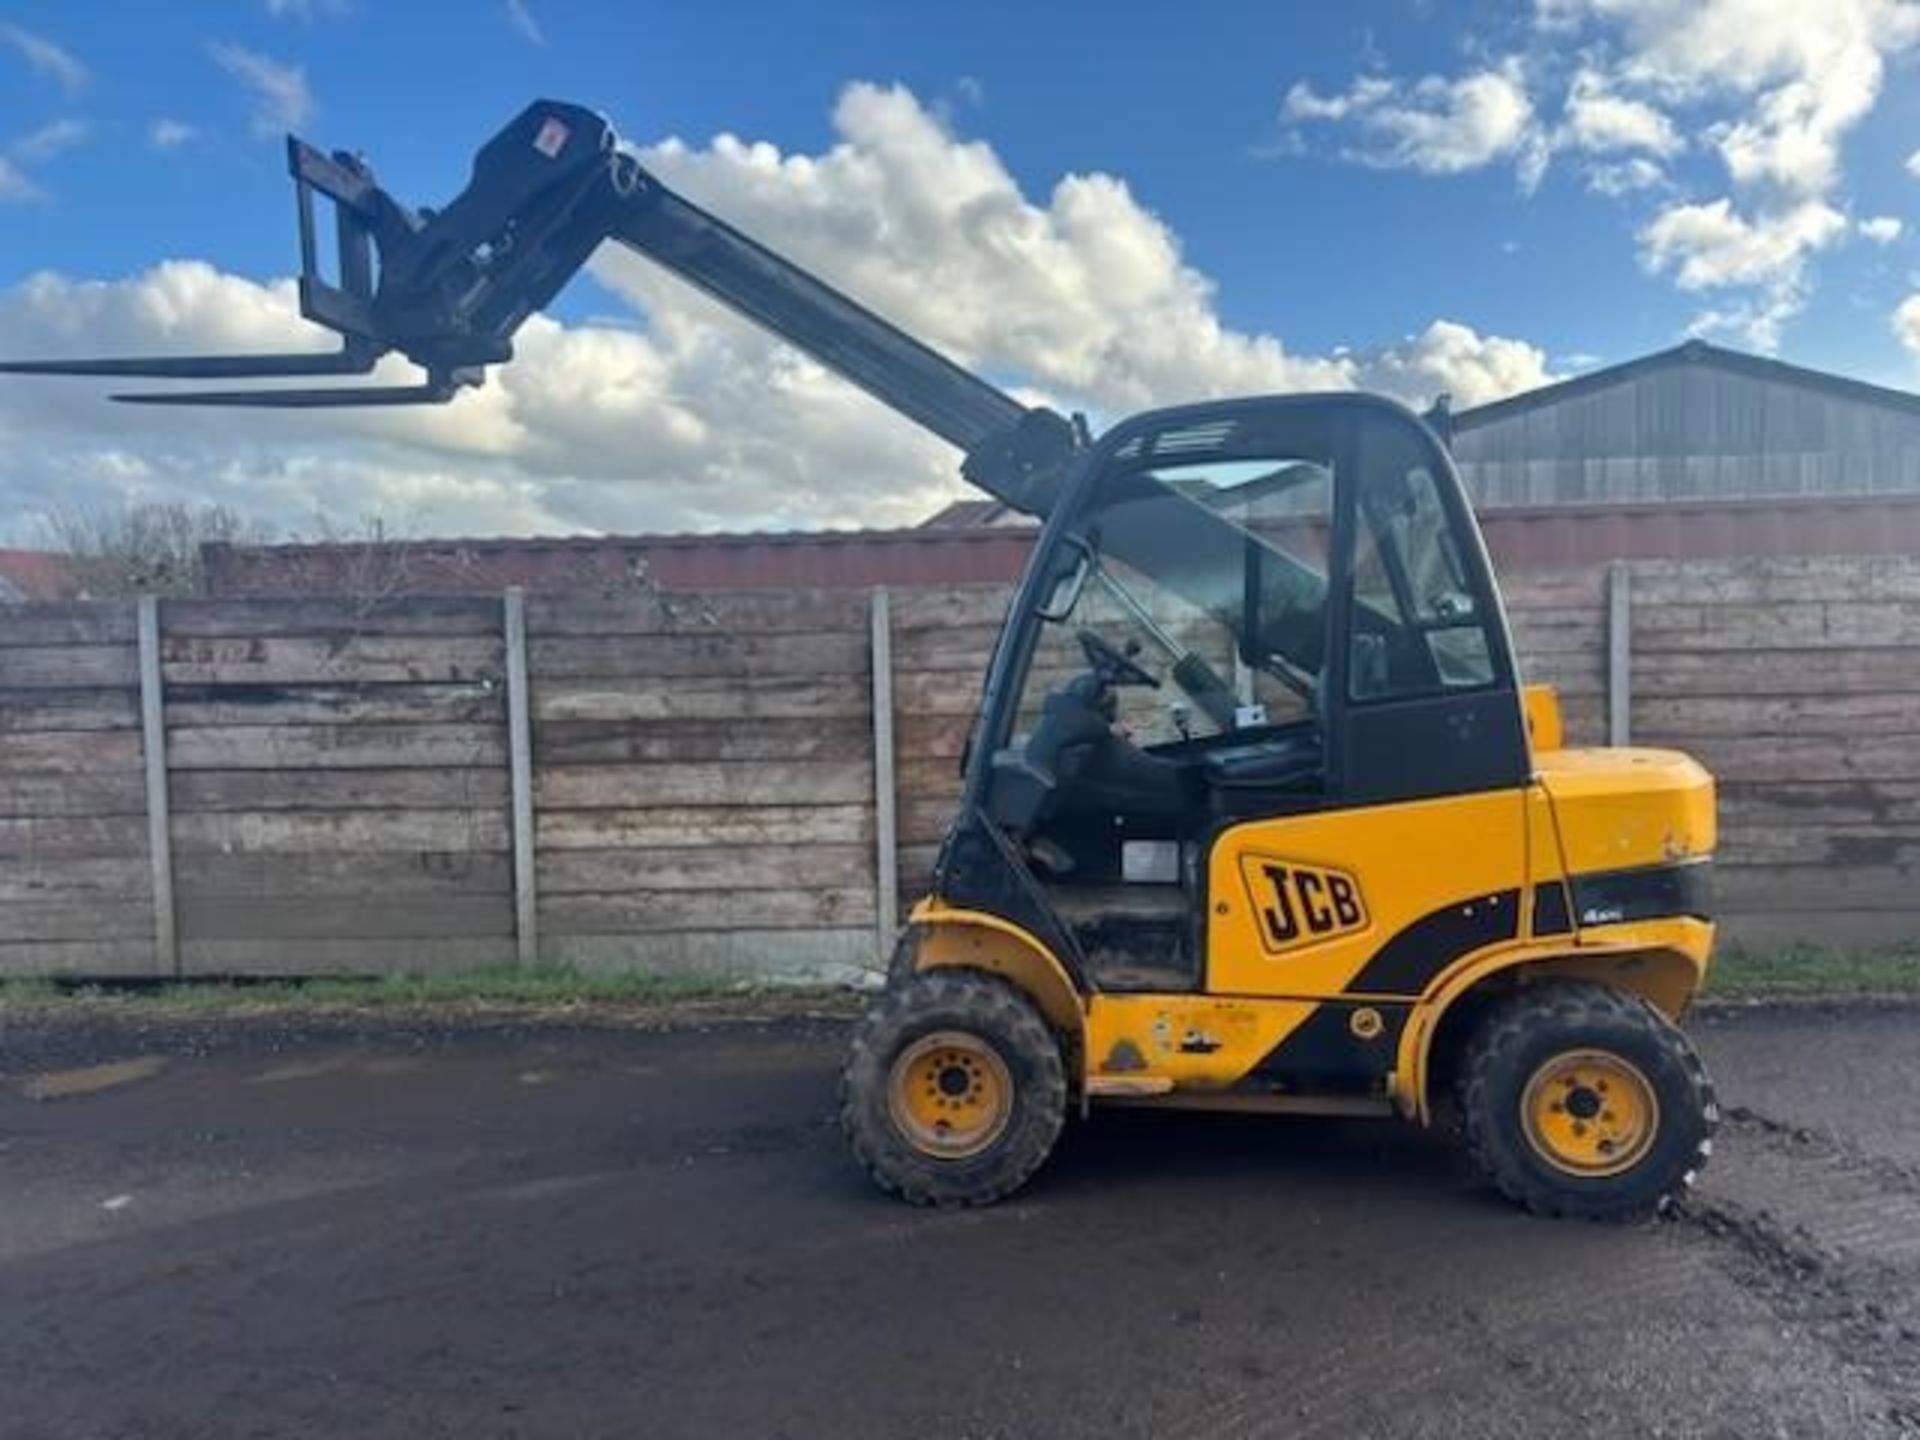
pixel 1581 1100
pixel 954 1090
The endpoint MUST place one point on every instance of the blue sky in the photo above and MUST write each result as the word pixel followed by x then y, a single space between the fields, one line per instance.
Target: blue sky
pixel 1584 179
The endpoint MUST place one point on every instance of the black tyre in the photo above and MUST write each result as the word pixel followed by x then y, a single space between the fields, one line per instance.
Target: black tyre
pixel 954 1090
pixel 1581 1100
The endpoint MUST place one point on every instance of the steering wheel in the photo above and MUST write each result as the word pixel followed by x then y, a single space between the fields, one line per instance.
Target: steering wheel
pixel 1113 666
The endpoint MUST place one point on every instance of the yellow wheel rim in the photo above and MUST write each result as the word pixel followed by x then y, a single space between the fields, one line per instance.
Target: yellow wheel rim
pixel 1590 1113
pixel 950 1094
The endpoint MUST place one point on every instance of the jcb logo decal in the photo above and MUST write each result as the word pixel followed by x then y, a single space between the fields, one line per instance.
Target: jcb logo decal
pixel 1297 905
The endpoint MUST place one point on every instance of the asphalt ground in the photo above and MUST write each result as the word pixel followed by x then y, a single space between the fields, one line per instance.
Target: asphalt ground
pixel 426 1227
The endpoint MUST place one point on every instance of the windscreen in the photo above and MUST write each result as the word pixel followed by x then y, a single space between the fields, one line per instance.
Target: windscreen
pixel 1217 571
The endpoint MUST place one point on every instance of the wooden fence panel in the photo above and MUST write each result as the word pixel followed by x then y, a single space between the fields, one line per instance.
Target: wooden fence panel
pixel 338 784
pixel 1797 682
pixel 703 767
pixel 703 772
pixel 75 876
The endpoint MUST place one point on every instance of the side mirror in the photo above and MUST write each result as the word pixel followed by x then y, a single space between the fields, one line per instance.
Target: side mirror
pixel 1068 582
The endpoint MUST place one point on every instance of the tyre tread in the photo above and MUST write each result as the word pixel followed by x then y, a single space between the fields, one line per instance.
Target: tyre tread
pixel 1574 1006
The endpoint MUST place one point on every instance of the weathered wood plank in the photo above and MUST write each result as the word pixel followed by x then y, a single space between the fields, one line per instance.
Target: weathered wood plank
pixel 1807 758
pixel 745 783
pixel 306 875
pixel 367 917
pixel 87 835
pixel 1573 587
pixel 601 742
pixel 1815 671
pixel 81 879
pixel 706 910
pixel 916 610
pixel 746 655
pixel 655 698
pixel 68 752
pixel 76 622
pixel 473 703
pixel 1842 716
pixel 953 647
pixel 85 919
pixel 355 830
pixel 673 826
pixel 707 867
pixel 118 792
pixel 825 953
pixel 453 790
pixel 1888 805
pixel 1779 626
pixel 298 660
pixel 936 692
pixel 1816 888
pixel 61 710
pixel 89 959
pixel 68 667
pixel 344 747
pixel 1778 580
pixel 1804 845
pixel 766 612
pixel 331 617
pixel 381 955
pixel 924 818
pixel 1557 633
pixel 929 736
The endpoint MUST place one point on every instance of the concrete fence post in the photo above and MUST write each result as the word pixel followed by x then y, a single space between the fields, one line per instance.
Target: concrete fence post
pixel 526 896
pixel 886 838
pixel 153 744
pixel 1619 653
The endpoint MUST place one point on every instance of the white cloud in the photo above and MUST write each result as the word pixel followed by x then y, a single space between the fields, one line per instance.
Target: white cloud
pixel 1882 229
pixel 15 184
pixel 169 134
pixel 1601 121
pixel 1304 103
pixel 1710 246
pixel 697 420
pixel 48 141
pixel 1770 88
pixel 281 99
pixel 1808 72
pixel 45 57
pixel 1454 358
pixel 1906 323
pixel 1913 164
pixel 1435 125
pixel 1623 177
pixel 521 18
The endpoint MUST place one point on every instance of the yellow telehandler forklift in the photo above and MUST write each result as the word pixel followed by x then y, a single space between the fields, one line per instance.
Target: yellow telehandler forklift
pixel 1258 812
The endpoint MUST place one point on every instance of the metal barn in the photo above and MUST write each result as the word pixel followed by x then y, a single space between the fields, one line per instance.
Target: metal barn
pixel 1690 424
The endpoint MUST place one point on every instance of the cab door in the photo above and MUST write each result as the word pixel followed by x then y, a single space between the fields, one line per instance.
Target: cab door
pixel 1418 856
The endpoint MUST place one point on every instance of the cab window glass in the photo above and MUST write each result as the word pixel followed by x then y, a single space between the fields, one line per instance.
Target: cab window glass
pixel 1216 571
pixel 1416 626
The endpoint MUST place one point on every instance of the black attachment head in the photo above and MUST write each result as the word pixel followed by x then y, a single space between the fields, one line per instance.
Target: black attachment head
pixel 447 289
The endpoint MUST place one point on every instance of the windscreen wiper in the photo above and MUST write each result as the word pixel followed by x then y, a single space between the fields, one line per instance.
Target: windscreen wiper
pixel 449 288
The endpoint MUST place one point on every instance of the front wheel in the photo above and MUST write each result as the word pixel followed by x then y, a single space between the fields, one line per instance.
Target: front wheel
pixel 1581 1100
pixel 954 1090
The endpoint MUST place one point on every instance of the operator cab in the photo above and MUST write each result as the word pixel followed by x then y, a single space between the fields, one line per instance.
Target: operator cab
pixel 1234 607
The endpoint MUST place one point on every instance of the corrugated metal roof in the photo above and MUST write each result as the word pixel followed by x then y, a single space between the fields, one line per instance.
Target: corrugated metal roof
pixel 1692 352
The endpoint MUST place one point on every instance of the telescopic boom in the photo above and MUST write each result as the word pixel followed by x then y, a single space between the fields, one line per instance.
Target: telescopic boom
pixel 449 288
